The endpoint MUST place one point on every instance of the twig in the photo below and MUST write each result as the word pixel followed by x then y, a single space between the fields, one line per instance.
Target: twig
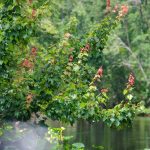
pixel 139 64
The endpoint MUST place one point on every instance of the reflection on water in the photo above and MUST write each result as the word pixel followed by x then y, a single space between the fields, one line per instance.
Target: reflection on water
pixel 135 138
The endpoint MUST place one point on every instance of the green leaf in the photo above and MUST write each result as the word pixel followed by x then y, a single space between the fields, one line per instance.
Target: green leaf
pixel 130 96
pixel 76 68
pixel 125 91
pixel 1 62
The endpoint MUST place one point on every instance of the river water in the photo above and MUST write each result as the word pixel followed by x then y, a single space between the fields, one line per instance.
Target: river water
pixel 135 138
pixel 30 137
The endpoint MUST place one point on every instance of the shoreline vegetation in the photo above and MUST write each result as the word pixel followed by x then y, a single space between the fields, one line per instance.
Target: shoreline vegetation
pixel 144 113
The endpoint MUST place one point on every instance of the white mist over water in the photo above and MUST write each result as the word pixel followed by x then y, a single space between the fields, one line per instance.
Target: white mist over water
pixel 25 136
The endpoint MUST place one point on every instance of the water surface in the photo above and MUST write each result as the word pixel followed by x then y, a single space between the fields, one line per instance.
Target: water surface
pixel 27 136
pixel 135 138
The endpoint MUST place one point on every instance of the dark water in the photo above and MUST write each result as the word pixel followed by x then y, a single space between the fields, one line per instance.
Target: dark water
pixel 31 137
pixel 135 138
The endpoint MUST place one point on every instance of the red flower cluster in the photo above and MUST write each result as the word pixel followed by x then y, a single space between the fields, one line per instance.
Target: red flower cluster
pixel 100 71
pixel 123 11
pixel 70 58
pixel 86 48
pixel 108 5
pixel 26 63
pixel 98 75
pixel 33 51
pixel 131 80
pixel 29 99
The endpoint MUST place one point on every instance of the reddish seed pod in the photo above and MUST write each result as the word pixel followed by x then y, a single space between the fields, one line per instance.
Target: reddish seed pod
pixel 33 51
pixel 108 3
pixel 82 50
pixel 100 72
pixel 70 58
pixel 85 49
pixel 87 46
pixel 33 13
pixel 131 80
pixel 29 98
pixel 26 63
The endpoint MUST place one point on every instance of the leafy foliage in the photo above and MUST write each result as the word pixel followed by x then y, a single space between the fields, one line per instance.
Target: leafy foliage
pixel 56 72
